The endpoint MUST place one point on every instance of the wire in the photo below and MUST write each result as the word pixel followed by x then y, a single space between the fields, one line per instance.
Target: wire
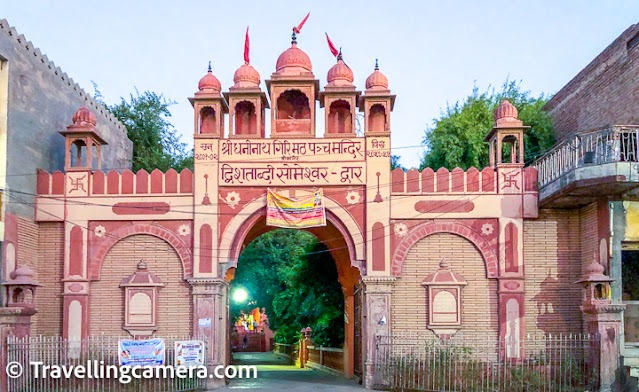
pixel 395 221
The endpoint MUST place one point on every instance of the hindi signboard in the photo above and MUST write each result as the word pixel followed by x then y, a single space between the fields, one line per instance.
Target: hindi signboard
pixel 189 353
pixel 306 150
pixel 150 352
pixel 280 174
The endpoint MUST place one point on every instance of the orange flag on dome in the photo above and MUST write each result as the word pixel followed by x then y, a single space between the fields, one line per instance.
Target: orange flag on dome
pixel 331 46
pixel 298 28
pixel 246 47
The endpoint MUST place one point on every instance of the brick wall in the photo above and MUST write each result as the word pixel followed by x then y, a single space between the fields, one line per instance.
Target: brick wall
pixel 479 297
pixel 106 308
pixel 50 271
pixel 552 262
pixel 605 92
pixel 589 234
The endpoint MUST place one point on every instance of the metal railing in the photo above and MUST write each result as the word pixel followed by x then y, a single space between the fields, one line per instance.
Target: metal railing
pixel 100 351
pixel 615 144
pixel 478 363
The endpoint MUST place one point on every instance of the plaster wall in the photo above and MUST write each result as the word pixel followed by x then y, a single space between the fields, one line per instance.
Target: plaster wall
pixel 41 101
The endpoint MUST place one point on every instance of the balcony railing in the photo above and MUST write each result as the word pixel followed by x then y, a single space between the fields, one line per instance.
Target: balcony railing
pixel 617 143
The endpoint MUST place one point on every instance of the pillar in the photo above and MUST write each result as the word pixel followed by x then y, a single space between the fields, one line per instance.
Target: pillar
pixel 604 321
pixel 210 322
pixel 349 331
pixel 377 319
pixel 14 321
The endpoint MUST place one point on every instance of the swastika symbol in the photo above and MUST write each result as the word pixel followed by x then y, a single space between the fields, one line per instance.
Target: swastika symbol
pixel 77 184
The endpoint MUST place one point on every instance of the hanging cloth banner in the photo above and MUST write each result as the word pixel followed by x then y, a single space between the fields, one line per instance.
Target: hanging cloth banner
pixel 307 211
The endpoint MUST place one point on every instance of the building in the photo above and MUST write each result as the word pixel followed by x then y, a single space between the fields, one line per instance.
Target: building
pixel 37 99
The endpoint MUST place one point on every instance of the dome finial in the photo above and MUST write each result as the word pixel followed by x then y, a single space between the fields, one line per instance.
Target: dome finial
pixel 376 65
pixel 210 70
pixel 293 38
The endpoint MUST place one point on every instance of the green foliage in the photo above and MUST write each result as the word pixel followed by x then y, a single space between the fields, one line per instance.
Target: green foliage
pixel 395 162
pixel 293 277
pixel 457 138
pixel 156 144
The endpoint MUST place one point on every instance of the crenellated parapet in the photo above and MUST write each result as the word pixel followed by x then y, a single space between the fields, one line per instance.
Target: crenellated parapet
pixel 459 181
pixel 127 183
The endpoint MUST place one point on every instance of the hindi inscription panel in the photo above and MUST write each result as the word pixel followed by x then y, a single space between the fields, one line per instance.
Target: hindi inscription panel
pixel 294 150
pixel 281 174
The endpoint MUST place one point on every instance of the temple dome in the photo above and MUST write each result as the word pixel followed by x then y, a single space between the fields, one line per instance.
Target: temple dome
pixel 505 109
pixel 246 76
pixel 84 116
pixel 377 81
pixel 293 61
pixel 209 83
pixel 340 75
pixel 506 115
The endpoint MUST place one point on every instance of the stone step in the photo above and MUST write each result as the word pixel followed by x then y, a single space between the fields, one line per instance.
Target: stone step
pixel 631 361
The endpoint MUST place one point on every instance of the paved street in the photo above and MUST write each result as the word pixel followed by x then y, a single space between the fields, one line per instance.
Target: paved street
pixel 275 374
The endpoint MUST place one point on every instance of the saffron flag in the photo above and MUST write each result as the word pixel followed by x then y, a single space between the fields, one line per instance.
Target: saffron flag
pixel 246 48
pixel 307 211
pixel 298 28
pixel 331 46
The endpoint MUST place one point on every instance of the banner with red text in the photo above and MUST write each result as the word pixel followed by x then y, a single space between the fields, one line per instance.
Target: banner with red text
pixel 307 211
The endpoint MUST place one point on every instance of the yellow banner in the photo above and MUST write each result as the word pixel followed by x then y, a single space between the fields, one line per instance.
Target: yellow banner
pixel 306 211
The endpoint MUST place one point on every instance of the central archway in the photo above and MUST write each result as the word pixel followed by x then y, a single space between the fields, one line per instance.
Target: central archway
pixel 344 242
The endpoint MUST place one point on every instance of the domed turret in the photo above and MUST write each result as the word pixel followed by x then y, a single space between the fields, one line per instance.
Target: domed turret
pixel 340 75
pixel 293 61
pixel 506 115
pixel 246 76
pixel 376 80
pixel 209 83
pixel 84 116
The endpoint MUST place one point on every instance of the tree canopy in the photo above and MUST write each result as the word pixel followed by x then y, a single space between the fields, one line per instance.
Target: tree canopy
pixel 293 277
pixel 457 137
pixel 156 144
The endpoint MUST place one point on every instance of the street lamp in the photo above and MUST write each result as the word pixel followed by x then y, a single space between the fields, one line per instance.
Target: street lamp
pixel 240 295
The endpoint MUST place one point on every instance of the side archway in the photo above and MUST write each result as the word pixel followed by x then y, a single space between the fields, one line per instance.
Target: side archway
pixel 182 250
pixel 426 229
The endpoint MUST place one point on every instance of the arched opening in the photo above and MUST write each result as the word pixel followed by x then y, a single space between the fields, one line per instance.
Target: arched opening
pixel 312 284
pixel 377 119
pixel 208 121
pixel 293 105
pixel 340 118
pixel 245 118
pixel 78 153
pixel 410 302
pixel 107 299
pixel 510 149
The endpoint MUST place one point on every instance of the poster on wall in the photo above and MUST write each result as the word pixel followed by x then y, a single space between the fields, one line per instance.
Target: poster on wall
pixel 150 352
pixel 307 211
pixel 189 353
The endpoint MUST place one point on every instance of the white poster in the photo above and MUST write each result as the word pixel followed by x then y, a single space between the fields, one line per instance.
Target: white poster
pixel 189 353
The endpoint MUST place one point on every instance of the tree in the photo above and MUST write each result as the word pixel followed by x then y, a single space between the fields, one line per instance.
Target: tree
pixel 457 138
pixel 395 162
pixel 156 144
pixel 293 277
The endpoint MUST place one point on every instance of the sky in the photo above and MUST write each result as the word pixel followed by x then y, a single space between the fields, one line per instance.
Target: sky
pixel 432 52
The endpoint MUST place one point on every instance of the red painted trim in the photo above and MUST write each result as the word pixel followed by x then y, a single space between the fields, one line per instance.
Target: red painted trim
pixel 444 206
pixel 397 176
pixel 426 229
pixel 141 181
pixel 57 183
pixel 98 183
pixel 76 245
pixel 44 179
pixel 428 180
pixel 186 181
pixel 128 180
pixel 379 248
pixel 443 177
pixel 472 180
pixel 171 179
pixel 457 179
pixel 157 179
pixel 113 183
pixel 488 180
pixel 140 208
pixel 412 180
pixel 183 250
pixel 206 249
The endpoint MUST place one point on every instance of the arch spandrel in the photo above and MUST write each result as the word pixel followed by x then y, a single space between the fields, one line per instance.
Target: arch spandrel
pixel 236 231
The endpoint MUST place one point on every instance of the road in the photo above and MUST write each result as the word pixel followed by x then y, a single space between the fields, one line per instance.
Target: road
pixel 274 374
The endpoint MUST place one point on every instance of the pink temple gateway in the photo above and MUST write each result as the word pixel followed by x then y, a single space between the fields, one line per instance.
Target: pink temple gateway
pixel 489 252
